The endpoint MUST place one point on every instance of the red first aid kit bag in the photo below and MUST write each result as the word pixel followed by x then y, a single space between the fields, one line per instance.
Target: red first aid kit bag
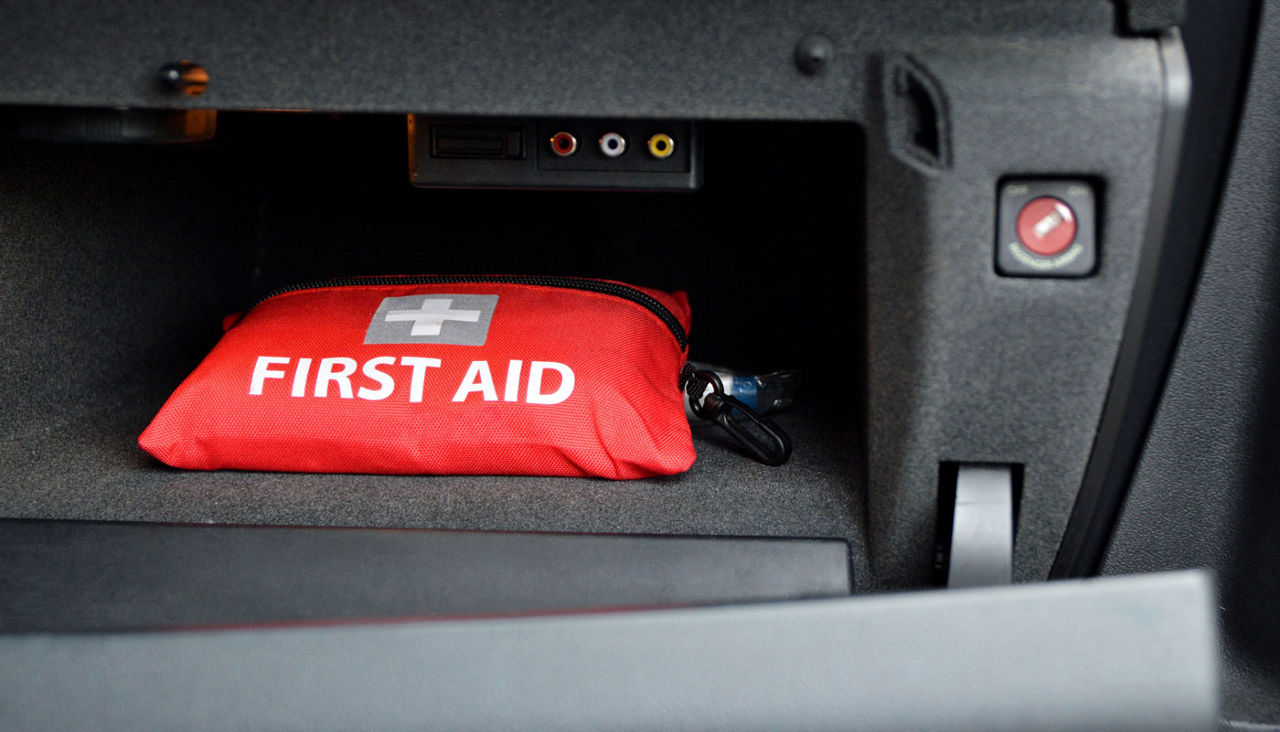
pixel 493 374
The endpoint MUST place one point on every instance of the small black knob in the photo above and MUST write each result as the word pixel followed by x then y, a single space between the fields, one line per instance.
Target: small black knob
pixel 813 52
pixel 187 77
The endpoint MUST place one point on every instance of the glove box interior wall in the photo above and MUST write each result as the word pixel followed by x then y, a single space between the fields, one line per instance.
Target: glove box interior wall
pixel 119 263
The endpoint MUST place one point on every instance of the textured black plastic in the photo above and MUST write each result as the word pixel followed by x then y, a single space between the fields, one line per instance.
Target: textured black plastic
pixel 1219 44
pixel 662 59
pixel 966 365
pixel 1205 492
pixel 1144 352
pixel 79 576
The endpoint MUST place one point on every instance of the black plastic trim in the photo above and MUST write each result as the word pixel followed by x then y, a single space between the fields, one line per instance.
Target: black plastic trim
pixel 1162 293
pixel 84 576
pixel 1123 653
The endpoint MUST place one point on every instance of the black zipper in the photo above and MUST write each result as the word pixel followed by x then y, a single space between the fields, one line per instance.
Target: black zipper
pixel 569 283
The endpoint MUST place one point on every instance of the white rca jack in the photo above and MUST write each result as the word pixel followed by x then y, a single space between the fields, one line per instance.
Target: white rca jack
pixel 612 144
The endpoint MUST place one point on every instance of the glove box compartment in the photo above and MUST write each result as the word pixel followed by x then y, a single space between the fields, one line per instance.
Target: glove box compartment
pixel 120 262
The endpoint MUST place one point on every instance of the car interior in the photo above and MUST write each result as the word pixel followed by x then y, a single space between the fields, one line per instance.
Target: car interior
pixel 1000 273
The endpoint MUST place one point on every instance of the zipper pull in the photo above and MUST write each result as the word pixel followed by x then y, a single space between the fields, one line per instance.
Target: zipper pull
pixel 759 435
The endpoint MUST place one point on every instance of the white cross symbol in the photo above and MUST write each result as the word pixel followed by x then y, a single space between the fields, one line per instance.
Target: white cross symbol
pixel 428 319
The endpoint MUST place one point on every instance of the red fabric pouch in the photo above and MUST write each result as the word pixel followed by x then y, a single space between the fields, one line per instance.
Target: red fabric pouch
pixel 485 375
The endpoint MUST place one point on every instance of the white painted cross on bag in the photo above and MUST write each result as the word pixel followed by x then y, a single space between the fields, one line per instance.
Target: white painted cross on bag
pixel 428 319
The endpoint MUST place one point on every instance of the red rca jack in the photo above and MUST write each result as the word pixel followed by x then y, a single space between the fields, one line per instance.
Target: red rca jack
pixel 661 146
pixel 564 144
pixel 612 144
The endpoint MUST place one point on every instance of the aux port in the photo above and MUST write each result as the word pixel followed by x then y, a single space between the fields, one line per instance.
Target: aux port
pixel 564 144
pixel 661 146
pixel 612 144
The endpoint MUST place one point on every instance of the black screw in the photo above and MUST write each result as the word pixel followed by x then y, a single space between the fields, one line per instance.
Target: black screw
pixel 813 52
pixel 187 77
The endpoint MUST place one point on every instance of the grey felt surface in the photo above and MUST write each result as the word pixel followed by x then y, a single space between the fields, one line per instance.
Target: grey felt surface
pixel 89 467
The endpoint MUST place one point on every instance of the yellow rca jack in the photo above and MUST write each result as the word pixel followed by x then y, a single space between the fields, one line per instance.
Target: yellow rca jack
pixel 564 144
pixel 661 145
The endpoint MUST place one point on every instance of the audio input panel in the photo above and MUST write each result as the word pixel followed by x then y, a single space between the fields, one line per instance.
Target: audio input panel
pixel 624 147
pixel 579 153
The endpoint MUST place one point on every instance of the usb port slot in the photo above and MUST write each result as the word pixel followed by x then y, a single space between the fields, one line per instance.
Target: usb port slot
pixel 477 142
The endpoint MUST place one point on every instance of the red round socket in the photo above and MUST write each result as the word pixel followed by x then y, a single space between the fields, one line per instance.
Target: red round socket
pixel 564 144
pixel 1046 226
